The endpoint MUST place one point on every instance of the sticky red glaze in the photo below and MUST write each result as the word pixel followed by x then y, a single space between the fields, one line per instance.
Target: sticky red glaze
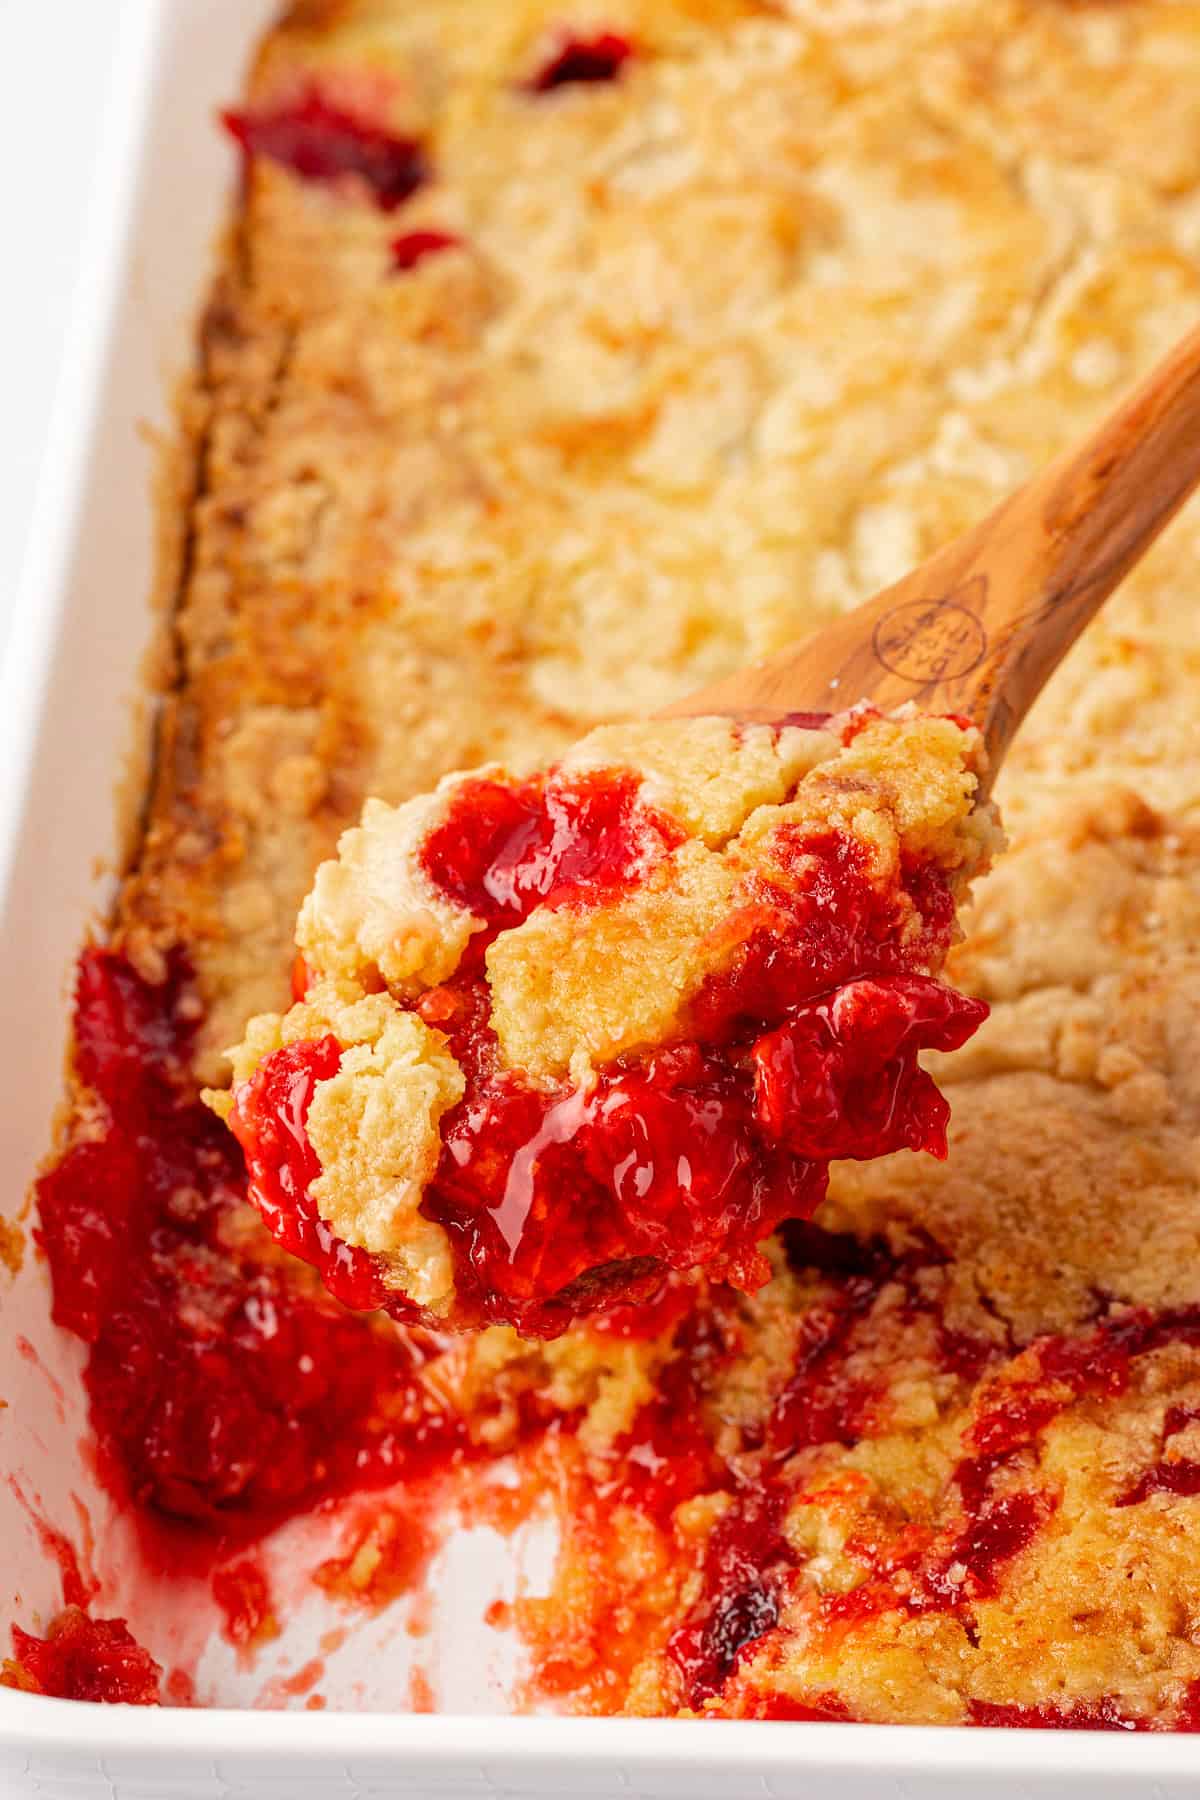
pixel 749 1567
pixel 219 1393
pixel 412 247
pixel 223 1349
pixel 929 1574
pixel 583 59
pixel 321 142
pixel 201 1360
pixel 990 1539
pixel 749 1573
pixel 820 1403
pixel 1180 1477
pixel 558 1203
pixel 672 1300
pixel 85 1659
pixel 1104 1714
pixel 224 1395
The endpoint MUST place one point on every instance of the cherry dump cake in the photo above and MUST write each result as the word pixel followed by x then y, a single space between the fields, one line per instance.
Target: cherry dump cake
pixel 563 1035
pixel 561 360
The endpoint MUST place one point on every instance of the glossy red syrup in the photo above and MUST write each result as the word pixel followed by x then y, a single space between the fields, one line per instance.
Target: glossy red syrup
pixel 84 1659
pixel 919 1571
pixel 673 1300
pixel 220 1393
pixel 243 1397
pixel 278 1096
pixel 583 59
pixel 560 1203
pixel 1180 1477
pixel 749 1573
pixel 412 247
pixel 320 142
pixel 973 1564
pixel 749 1569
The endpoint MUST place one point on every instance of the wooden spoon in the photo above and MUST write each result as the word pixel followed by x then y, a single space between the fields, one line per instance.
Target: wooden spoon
pixel 979 628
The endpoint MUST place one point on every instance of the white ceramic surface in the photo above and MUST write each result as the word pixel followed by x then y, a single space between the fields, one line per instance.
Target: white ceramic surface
pixel 132 180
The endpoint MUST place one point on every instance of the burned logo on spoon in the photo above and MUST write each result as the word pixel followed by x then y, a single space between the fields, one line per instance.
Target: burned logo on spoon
pixel 928 641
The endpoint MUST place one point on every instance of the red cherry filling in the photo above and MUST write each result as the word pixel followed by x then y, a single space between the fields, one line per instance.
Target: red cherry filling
pixel 583 59
pixel 745 1566
pixel 221 1392
pixel 84 1659
pixel 504 848
pixel 320 142
pixel 1104 1714
pixel 840 1079
pixel 412 247
pixel 559 1201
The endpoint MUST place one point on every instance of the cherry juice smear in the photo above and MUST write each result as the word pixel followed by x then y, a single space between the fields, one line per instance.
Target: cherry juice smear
pixel 220 1393
pixel 318 141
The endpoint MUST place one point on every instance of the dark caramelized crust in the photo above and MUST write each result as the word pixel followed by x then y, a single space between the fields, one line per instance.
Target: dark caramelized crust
pixel 542 382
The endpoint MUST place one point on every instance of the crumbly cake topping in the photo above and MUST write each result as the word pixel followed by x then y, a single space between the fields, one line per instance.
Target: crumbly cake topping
pixel 372 909
pixel 461 502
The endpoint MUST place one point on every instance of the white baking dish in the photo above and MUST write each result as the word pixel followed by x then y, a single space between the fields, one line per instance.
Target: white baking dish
pixel 137 159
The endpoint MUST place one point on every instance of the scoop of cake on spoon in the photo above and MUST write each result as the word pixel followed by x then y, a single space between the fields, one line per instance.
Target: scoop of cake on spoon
pixel 561 1038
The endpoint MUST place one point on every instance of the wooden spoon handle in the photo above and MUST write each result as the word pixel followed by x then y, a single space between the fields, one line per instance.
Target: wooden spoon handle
pixel 979 628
